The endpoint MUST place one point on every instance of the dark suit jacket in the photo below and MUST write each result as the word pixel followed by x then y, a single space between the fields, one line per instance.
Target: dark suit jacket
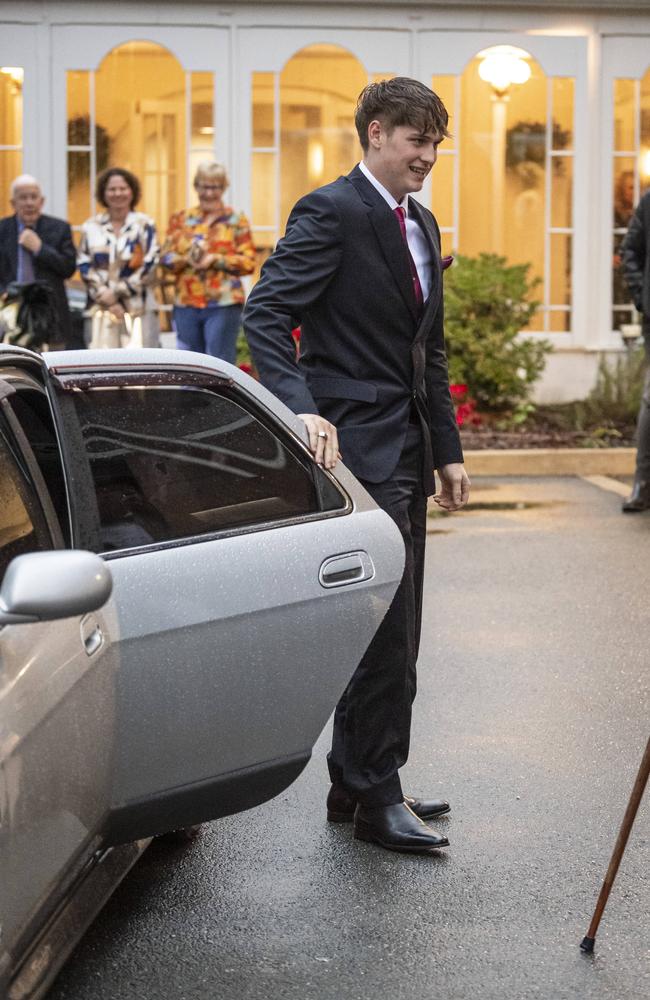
pixel 56 261
pixel 342 272
pixel 636 258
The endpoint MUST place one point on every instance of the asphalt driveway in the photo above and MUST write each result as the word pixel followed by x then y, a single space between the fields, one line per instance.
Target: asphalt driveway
pixel 532 715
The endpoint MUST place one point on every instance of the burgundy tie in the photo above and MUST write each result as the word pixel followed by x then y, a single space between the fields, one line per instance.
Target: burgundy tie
pixel 400 212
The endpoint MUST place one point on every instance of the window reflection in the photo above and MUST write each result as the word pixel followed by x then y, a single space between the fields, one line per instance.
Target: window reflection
pixel 11 130
pixel 319 87
pixel 141 99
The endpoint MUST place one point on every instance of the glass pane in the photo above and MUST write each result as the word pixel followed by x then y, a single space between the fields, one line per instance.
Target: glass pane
pixel 80 205
pixel 447 244
pixel 624 200
pixel 154 482
pixel 19 513
pixel 503 142
pixel 264 193
pixel 559 322
pixel 318 139
pixel 563 88
pixel 624 195
pixel 620 292
pixel 644 151
pixel 561 192
pixel 140 113
pixel 202 110
pixel 264 109
pixel 11 106
pixel 536 322
pixel 11 165
pixel 265 245
pixel 445 88
pixel 442 190
pixel 78 104
pixel 621 316
pixel 560 270
pixel 624 115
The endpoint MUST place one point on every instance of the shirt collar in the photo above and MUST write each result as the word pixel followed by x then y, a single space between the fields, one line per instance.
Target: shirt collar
pixel 386 195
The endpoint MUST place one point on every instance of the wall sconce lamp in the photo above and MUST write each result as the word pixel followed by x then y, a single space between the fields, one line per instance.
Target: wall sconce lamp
pixel 503 65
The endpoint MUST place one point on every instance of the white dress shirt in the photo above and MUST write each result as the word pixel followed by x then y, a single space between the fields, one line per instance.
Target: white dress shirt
pixel 417 241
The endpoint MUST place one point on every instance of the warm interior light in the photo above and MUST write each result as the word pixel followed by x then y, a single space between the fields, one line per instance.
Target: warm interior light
pixel 503 65
pixel 206 130
pixel 15 72
pixel 645 163
pixel 315 159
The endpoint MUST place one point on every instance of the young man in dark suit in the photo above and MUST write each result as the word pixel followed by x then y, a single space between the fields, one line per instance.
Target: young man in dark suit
pixel 359 267
pixel 36 247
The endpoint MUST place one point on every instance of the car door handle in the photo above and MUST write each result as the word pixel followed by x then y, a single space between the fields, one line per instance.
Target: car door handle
pixel 93 641
pixel 91 635
pixel 347 568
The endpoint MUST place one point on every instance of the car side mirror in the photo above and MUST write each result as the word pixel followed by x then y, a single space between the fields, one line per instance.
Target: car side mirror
pixel 46 586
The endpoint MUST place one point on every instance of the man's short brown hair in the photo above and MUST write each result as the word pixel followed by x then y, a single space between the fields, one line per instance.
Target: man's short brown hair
pixel 400 101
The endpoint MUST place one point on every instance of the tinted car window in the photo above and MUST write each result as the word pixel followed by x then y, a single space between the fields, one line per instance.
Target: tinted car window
pixel 33 413
pixel 22 524
pixel 171 462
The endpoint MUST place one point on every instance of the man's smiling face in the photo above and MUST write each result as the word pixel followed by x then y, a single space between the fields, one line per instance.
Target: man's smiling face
pixel 402 158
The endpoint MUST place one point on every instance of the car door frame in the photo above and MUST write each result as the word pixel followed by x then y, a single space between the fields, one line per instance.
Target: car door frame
pixel 144 814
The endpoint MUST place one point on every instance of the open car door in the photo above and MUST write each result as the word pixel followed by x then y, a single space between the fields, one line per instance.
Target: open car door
pixel 248 582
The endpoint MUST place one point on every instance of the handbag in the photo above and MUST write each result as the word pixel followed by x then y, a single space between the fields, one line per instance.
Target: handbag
pixel 28 314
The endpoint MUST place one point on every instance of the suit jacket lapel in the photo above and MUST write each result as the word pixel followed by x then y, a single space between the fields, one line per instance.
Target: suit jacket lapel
pixel 431 304
pixel 388 235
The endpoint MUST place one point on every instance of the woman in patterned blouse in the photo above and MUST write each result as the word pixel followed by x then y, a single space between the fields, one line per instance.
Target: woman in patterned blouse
pixel 207 249
pixel 117 257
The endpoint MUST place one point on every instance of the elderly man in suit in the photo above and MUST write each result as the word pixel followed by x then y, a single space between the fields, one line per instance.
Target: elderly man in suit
pixel 36 247
pixel 360 268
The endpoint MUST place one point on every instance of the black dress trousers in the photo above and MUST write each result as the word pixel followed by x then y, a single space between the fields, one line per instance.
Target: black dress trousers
pixel 372 722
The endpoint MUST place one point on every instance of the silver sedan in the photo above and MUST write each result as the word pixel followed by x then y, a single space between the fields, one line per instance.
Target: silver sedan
pixel 184 596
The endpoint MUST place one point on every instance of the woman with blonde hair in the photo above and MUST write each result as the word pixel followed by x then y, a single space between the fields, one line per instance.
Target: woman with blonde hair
pixel 208 248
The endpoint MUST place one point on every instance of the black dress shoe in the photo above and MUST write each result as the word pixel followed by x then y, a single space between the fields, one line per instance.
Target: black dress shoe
pixel 639 498
pixel 396 828
pixel 341 805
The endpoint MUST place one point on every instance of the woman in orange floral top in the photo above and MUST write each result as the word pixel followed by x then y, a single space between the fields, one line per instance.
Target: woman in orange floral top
pixel 208 248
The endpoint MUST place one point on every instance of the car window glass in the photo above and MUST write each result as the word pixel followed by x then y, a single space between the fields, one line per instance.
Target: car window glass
pixel 22 524
pixel 33 413
pixel 171 462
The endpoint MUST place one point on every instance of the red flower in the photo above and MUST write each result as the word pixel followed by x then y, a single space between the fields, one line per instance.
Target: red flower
pixel 464 406
pixel 245 367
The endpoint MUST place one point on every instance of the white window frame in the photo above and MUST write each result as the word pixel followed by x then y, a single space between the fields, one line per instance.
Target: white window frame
pixel 447 53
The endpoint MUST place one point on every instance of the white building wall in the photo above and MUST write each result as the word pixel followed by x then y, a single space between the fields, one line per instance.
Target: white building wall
pixel 593 43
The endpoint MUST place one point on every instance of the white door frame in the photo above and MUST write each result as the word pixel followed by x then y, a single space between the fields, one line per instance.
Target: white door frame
pixel 198 49
pixel 626 58
pixel 267 50
pixel 447 52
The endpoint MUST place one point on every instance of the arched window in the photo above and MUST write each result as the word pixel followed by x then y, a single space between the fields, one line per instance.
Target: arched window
pixel 631 176
pixel 139 110
pixel 504 182
pixel 303 131
pixel 11 130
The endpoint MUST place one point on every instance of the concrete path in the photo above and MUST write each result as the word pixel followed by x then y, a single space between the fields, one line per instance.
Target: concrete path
pixel 532 715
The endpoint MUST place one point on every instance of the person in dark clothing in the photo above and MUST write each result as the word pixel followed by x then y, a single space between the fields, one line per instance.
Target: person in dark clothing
pixel 635 256
pixel 360 268
pixel 38 247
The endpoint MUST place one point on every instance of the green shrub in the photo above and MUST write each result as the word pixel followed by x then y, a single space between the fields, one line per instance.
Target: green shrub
pixel 487 303
pixel 616 397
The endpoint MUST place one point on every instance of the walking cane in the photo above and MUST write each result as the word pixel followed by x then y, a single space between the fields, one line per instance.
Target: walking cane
pixel 587 943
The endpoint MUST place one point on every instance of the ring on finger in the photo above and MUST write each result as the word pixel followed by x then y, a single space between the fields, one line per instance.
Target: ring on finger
pixel 323 434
